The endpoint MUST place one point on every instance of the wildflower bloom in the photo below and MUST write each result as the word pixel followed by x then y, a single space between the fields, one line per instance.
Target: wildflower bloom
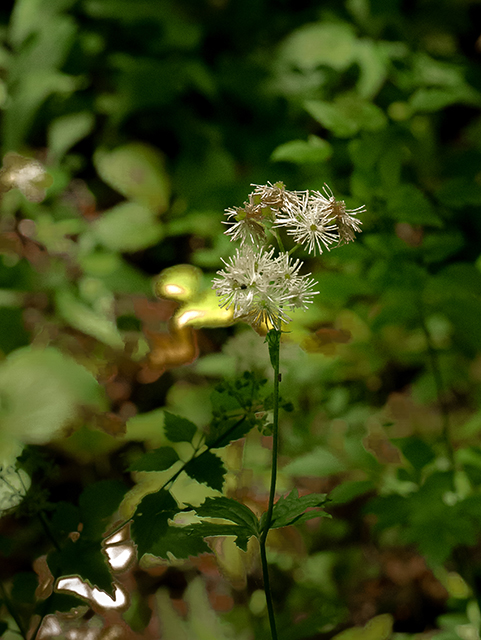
pixel 347 225
pixel 26 175
pixel 261 288
pixel 245 224
pixel 309 222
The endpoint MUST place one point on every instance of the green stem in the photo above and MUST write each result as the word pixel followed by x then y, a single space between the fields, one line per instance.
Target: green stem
pixel 274 340
pixel 438 381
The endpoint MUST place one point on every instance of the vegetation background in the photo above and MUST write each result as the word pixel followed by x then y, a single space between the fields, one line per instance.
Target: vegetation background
pixel 152 117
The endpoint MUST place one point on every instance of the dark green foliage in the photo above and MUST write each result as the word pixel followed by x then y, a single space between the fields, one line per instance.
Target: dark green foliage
pixel 83 558
pixel 150 521
pixel 95 513
pixel 291 509
pixel 178 429
pixel 208 469
pixel 24 586
pixel 157 460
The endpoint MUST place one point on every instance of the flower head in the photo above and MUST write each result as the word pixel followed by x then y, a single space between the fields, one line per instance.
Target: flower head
pixel 345 222
pixel 309 223
pixel 245 224
pixel 262 288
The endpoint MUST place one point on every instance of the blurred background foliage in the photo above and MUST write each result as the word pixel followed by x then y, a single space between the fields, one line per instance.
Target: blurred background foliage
pixel 152 117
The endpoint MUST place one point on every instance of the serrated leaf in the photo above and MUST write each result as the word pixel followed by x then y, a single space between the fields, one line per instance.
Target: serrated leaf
pixel 84 559
pixel 229 509
pixel 158 460
pixel 150 521
pixel 291 509
pixel 95 512
pixel 207 469
pixel 178 429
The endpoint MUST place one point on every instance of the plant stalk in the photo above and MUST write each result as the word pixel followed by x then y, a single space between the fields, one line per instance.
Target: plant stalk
pixel 274 341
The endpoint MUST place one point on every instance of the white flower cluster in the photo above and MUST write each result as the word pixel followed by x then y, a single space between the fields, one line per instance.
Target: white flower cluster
pixel 260 287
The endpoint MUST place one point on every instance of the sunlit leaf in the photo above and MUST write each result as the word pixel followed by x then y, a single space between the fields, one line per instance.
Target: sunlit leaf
pixel 136 170
pixel 303 152
pixel 85 319
pixel 204 310
pixel 67 130
pixel 129 226
pixel 42 389
pixel 321 43
pixel 178 283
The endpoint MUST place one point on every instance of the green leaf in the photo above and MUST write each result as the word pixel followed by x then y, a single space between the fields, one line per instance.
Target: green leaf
pixel 128 227
pixel 136 170
pixel 349 491
pixel 229 509
pixel 319 462
pixel 223 432
pixel 41 391
pixel 207 469
pixel 181 542
pixel 407 203
pixel 416 451
pixel 207 530
pixel 150 521
pixel 85 559
pixel 291 509
pixel 321 43
pixel 95 512
pixel 178 429
pixel 347 115
pixel 303 152
pixel 66 131
pixel 157 460
pixel 85 319
pixel 3 628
